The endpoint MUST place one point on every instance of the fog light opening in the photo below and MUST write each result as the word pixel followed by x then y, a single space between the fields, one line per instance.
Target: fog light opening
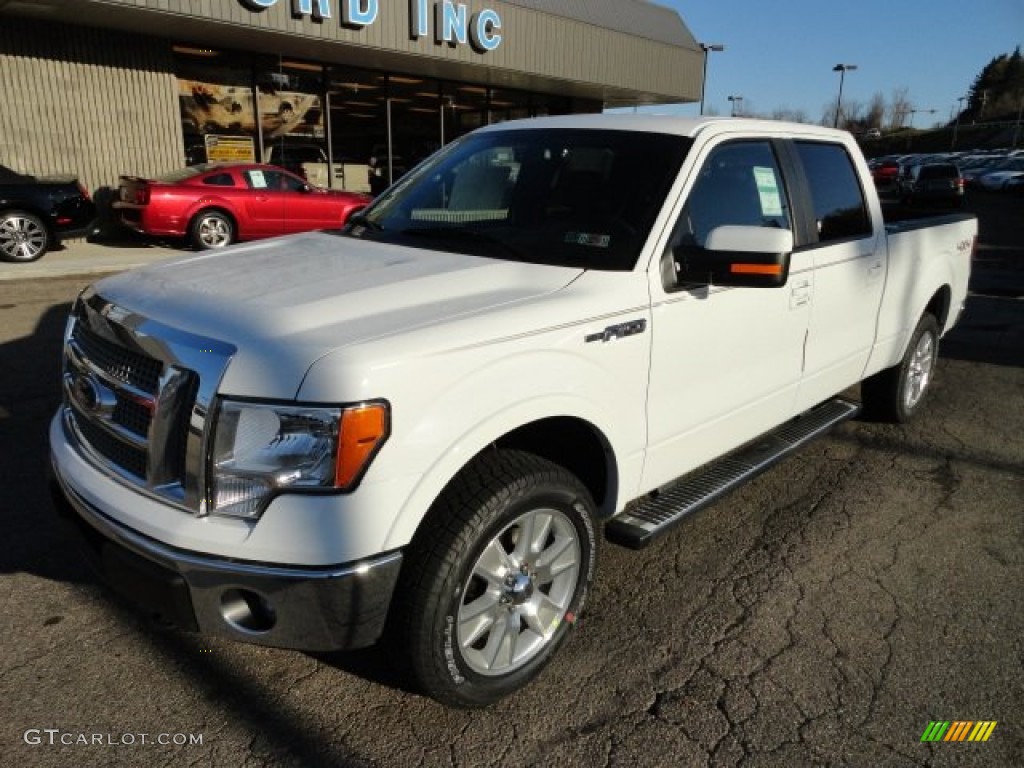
pixel 247 611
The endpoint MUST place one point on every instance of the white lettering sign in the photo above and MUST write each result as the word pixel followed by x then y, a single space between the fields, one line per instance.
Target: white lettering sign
pixel 452 22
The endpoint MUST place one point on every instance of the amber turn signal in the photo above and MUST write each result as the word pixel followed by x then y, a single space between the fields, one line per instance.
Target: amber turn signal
pixel 364 429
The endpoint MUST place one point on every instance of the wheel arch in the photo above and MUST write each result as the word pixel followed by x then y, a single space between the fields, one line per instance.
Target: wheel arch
pixel 939 305
pixel 571 441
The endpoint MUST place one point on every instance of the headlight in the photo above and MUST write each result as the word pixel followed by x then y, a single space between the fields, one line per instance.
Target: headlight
pixel 262 449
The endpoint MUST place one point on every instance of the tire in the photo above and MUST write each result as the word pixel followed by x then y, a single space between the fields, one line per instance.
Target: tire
pixel 23 237
pixel 474 619
pixel 896 394
pixel 211 229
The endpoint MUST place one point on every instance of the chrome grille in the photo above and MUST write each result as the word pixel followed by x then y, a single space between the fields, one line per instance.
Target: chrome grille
pixel 133 416
pixel 118 362
pixel 136 395
pixel 129 458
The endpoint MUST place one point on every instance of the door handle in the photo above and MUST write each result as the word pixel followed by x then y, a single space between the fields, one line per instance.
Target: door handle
pixel 875 271
pixel 800 294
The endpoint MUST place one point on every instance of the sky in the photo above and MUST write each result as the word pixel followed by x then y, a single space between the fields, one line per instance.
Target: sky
pixel 780 54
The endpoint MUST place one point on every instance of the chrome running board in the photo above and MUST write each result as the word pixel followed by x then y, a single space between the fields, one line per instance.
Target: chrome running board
pixel 656 513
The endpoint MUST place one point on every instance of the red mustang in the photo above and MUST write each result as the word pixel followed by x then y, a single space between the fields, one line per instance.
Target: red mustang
pixel 217 204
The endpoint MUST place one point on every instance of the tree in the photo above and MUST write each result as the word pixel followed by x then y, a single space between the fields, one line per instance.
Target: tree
pixel 875 115
pixel 789 115
pixel 998 88
pixel 899 107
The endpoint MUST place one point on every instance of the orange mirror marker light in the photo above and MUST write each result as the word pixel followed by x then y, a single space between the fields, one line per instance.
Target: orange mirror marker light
pixel 756 269
pixel 363 430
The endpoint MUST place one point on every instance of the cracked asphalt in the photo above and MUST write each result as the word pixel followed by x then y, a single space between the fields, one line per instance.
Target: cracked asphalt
pixel 822 615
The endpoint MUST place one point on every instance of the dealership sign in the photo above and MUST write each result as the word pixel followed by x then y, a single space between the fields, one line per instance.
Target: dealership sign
pixel 452 23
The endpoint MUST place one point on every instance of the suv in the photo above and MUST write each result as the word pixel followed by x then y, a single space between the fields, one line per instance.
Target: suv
pixel 932 183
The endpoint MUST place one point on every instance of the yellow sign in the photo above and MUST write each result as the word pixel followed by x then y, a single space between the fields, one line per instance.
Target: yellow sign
pixel 230 149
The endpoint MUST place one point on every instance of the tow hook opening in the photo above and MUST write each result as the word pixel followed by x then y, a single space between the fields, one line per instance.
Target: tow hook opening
pixel 247 611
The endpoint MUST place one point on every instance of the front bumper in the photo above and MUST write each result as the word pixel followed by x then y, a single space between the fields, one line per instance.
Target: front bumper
pixel 312 609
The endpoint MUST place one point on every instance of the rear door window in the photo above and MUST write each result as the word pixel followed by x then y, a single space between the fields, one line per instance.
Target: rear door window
pixel 840 209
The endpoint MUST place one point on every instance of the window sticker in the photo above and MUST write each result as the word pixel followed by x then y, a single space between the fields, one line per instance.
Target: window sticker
pixel 258 180
pixel 585 238
pixel 768 191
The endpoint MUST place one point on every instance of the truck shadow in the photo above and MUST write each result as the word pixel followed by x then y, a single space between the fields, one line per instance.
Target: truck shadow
pixel 29 396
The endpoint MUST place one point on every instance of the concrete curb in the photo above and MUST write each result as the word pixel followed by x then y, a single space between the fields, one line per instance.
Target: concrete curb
pixel 81 257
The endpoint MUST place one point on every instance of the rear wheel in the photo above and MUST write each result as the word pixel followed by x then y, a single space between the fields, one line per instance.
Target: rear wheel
pixel 495 579
pixel 211 229
pixel 896 393
pixel 23 236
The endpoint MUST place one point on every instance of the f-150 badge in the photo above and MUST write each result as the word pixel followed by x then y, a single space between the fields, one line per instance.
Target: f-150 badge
pixel 619 331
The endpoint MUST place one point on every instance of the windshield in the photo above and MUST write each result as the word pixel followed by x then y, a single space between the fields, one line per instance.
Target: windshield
pixel 565 197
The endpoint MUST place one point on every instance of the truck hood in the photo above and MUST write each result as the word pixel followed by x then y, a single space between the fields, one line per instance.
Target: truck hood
pixel 283 303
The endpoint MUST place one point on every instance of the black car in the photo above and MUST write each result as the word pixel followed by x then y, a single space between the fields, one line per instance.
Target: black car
pixel 35 212
pixel 931 183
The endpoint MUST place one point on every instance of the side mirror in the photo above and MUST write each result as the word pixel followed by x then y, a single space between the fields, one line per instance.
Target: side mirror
pixel 737 256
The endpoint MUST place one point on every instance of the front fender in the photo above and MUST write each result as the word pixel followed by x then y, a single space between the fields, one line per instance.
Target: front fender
pixel 449 406
pixel 453 452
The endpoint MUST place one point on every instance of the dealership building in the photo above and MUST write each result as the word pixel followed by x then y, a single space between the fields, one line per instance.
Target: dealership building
pixel 345 89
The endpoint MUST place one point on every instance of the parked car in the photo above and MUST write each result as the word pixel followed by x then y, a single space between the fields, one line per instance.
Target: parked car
pixel 36 211
pixel 884 170
pixel 937 183
pixel 1015 186
pixel 997 177
pixel 214 205
pixel 977 170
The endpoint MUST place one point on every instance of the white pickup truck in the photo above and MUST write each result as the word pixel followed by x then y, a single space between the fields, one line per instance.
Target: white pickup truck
pixel 413 429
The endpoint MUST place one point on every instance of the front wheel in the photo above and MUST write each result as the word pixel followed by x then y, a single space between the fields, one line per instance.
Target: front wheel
pixel 23 236
pixel 495 579
pixel 896 393
pixel 211 229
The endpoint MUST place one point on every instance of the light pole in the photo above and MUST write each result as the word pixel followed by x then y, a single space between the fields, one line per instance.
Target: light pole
pixel 956 125
pixel 842 69
pixel 707 48
pixel 737 104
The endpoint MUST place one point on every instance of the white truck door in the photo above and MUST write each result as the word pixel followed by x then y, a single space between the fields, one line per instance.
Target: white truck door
pixel 849 272
pixel 726 363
